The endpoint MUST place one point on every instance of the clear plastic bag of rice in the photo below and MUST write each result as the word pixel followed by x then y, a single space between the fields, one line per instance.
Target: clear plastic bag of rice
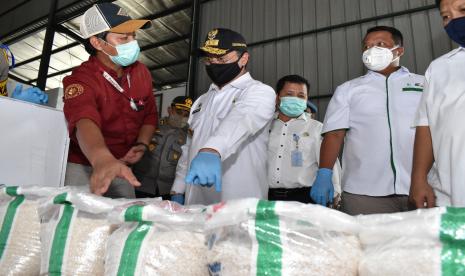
pixel 20 229
pixel 162 238
pixel 424 242
pixel 74 233
pixel 258 237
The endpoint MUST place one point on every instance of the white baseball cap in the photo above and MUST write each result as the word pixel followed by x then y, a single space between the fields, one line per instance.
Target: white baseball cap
pixel 108 17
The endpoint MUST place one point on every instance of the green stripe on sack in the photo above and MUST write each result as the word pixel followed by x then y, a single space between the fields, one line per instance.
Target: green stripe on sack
pixel 12 191
pixel 133 213
pixel 132 246
pixel 8 221
pixel 453 226
pixel 412 89
pixel 452 259
pixel 60 237
pixel 269 259
pixel 61 198
pixel 452 236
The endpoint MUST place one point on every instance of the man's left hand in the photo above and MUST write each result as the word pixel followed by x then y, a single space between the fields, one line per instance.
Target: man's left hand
pixel 134 154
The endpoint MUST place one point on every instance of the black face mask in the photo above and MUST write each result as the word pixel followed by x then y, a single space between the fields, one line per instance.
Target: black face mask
pixel 221 74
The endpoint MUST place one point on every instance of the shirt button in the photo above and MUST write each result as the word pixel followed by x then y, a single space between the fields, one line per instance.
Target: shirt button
pixel 284 133
pixel 285 124
pixel 278 169
pixel 279 156
pixel 277 181
pixel 282 145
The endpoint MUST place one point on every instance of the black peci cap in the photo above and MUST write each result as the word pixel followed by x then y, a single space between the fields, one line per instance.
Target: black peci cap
pixel 182 102
pixel 221 41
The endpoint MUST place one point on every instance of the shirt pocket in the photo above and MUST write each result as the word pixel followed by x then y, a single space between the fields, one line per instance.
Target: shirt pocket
pixel 308 146
pixel 223 112
pixel 174 153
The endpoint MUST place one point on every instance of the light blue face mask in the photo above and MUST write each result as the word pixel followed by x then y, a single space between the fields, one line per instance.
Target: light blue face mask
pixel 292 106
pixel 127 53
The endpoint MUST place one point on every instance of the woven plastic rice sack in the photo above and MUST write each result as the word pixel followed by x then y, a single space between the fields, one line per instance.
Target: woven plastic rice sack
pixel 252 237
pixel 20 229
pixel 74 233
pixel 157 239
pixel 422 242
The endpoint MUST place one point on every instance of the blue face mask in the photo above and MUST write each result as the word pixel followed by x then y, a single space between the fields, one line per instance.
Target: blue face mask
pixel 127 53
pixel 456 30
pixel 292 106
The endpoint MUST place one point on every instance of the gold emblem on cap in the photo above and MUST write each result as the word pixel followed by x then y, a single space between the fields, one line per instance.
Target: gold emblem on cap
pixel 188 102
pixel 212 34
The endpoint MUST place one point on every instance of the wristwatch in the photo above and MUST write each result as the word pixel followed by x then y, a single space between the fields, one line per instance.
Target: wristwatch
pixel 141 144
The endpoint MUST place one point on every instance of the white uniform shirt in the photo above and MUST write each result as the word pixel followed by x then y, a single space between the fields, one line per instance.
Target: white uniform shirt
pixel 234 121
pixel 281 173
pixel 442 108
pixel 378 113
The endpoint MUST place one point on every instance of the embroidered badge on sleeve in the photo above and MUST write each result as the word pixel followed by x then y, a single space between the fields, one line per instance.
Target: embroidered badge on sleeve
pixel 73 91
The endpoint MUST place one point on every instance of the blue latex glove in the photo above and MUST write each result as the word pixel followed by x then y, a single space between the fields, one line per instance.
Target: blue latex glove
pixel 205 170
pixel 32 94
pixel 322 191
pixel 178 198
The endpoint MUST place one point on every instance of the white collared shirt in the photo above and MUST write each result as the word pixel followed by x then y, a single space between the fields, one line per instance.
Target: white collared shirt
pixel 234 121
pixel 442 108
pixel 378 113
pixel 281 173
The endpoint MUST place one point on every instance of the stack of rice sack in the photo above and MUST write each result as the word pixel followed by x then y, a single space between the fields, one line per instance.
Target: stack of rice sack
pixel 256 237
pixel 421 242
pixel 20 229
pixel 161 238
pixel 74 233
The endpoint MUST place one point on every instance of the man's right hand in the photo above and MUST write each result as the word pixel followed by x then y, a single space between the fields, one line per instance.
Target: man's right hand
pixel 422 195
pixel 31 94
pixel 322 190
pixel 105 170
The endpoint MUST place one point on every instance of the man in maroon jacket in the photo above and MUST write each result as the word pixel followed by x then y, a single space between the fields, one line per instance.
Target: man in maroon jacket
pixel 108 104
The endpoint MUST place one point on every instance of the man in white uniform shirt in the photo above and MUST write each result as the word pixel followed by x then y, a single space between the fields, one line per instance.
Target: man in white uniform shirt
pixel 294 147
pixel 440 131
pixel 372 116
pixel 225 153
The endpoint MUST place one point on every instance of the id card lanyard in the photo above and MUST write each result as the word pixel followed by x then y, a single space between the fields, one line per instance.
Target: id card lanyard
pixel 120 89
pixel 296 155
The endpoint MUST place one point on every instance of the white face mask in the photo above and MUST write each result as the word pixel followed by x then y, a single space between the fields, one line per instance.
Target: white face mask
pixel 378 58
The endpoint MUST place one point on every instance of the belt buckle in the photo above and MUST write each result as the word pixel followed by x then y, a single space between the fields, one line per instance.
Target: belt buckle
pixel 281 193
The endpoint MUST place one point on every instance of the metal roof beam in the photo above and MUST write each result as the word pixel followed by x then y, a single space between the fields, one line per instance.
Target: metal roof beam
pixel 62 29
pixel 16 78
pixel 170 82
pixel 57 50
pixel 40 23
pixel 164 42
pixel 168 11
pixel 168 64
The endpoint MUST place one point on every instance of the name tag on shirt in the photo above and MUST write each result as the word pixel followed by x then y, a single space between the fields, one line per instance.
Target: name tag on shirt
pixel 296 158
pixel 417 87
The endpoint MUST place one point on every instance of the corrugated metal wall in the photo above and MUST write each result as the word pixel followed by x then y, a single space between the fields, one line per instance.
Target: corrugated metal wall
pixel 330 51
